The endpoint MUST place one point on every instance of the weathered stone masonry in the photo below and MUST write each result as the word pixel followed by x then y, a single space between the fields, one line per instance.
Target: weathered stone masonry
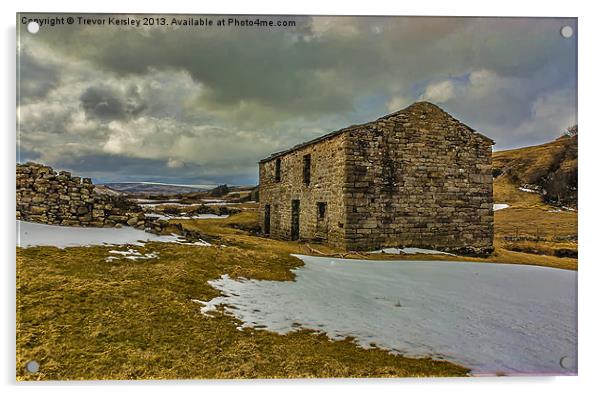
pixel 45 196
pixel 417 177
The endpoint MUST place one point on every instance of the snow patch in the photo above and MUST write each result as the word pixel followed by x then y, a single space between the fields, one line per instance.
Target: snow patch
pixel 492 318
pixel 498 207
pixel 524 189
pixel 200 216
pixel 409 251
pixel 37 234
pixel 175 204
pixel 132 254
pixel 145 200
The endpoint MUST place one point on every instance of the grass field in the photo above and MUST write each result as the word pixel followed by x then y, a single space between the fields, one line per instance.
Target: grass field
pixel 531 226
pixel 82 317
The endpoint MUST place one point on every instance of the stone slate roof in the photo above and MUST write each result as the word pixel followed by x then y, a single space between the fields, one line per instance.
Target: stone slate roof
pixel 416 106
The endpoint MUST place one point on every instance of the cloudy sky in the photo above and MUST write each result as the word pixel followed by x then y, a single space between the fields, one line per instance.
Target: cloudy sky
pixel 200 105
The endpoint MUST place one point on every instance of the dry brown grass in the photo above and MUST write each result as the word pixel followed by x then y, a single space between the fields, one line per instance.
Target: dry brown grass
pixel 530 163
pixel 82 317
pixel 231 231
pixel 506 192
pixel 535 223
pixel 532 226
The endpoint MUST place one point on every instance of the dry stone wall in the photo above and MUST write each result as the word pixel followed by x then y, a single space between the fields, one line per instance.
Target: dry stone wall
pixel 46 196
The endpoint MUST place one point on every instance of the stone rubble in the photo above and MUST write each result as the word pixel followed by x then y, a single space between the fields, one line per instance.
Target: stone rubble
pixel 58 198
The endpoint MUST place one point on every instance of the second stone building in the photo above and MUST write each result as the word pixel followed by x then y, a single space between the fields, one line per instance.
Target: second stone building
pixel 414 178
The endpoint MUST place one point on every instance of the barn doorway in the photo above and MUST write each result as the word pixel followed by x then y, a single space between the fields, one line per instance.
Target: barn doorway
pixel 295 220
pixel 321 222
pixel 266 220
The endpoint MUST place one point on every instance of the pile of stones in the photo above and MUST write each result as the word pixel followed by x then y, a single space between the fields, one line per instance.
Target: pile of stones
pixel 50 197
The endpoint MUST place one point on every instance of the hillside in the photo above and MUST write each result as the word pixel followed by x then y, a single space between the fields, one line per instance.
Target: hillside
pixel 549 171
pixel 539 185
pixel 151 188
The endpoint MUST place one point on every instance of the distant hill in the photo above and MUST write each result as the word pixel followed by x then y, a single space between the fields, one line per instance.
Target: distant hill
pixel 548 171
pixel 150 188
pixel 102 189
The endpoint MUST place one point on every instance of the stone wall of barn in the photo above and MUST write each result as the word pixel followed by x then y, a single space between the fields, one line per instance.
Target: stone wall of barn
pixel 327 174
pixel 416 178
pixel 419 178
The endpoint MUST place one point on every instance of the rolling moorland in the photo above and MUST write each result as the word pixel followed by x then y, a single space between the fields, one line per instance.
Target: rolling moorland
pixel 85 317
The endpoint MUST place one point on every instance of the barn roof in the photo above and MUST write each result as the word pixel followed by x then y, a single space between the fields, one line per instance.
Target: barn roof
pixel 421 105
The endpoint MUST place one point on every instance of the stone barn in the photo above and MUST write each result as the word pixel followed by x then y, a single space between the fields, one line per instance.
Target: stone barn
pixel 414 178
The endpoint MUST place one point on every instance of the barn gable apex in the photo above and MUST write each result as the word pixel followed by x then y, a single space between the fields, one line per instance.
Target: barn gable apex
pixel 419 109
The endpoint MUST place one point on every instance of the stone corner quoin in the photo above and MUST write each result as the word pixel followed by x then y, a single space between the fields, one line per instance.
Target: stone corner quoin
pixel 415 178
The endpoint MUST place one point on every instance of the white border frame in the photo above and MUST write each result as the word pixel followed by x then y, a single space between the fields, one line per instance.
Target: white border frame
pixel 591 144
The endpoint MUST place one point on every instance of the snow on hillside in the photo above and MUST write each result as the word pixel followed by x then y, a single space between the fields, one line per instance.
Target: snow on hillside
pixel 492 318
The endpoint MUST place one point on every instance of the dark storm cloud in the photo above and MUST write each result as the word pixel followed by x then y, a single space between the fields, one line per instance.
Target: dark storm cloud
pixel 36 79
pixel 215 100
pixel 107 168
pixel 321 67
pixel 106 104
pixel 25 155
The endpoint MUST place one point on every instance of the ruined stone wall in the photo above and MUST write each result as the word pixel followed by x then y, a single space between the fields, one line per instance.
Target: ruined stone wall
pixel 326 186
pixel 419 179
pixel 45 196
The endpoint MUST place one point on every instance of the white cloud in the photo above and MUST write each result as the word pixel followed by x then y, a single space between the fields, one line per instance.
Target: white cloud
pixel 551 113
pixel 398 102
pixel 439 92
pixel 174 163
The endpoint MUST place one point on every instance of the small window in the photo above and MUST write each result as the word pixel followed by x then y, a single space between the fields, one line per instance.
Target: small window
pixel 277 170
pixel 306 169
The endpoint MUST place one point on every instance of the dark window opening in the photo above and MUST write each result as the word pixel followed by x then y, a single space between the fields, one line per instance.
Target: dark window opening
pixel 321 210
pixel 306 169
pixel 277 170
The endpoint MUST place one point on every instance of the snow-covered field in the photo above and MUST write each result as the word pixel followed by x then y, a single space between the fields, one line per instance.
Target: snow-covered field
pixel 36 234
pixel 492 318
